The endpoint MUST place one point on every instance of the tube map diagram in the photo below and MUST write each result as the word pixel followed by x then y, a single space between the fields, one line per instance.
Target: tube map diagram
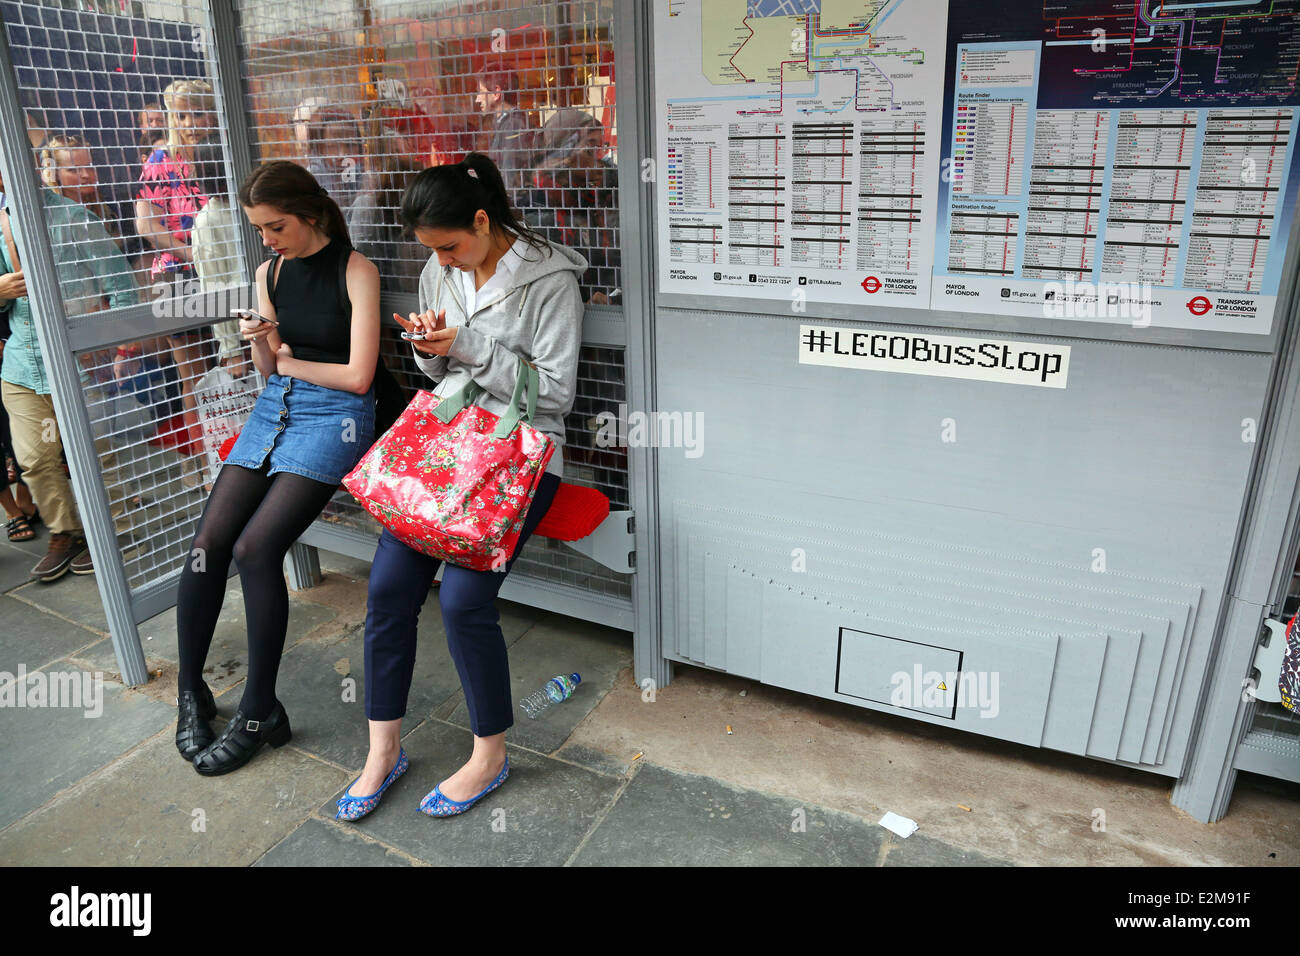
pixel 1115 161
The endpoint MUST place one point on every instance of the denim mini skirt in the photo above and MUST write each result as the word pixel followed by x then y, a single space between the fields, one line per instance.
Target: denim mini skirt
pixel 305 429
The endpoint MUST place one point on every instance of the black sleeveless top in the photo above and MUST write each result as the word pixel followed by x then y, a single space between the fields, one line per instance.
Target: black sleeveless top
pixel 314 320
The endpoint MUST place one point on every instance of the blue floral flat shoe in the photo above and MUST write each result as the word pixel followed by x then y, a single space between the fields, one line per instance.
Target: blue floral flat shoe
pixel 354 808
pixel 437 805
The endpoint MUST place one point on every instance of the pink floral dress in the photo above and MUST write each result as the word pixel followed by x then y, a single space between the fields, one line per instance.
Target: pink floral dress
pixel 169 184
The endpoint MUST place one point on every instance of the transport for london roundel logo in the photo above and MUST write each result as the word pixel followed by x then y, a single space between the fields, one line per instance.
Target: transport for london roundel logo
pixel 871 284
pixel 1199 305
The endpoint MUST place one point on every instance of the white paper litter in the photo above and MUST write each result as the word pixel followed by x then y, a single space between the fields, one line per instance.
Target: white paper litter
pixel 892 822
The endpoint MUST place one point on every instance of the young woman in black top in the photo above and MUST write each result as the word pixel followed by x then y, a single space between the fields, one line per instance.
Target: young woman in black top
pixel 310 426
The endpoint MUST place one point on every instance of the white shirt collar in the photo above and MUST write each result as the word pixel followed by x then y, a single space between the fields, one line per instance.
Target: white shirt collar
pixel 493 289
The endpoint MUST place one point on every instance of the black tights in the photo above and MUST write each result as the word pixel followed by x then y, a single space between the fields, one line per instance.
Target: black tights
pixel 253 519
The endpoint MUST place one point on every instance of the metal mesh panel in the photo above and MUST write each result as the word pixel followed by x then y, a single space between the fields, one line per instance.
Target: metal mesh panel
pixel 364 97
pixel 132 161
pixel 96 89
pixel 156 470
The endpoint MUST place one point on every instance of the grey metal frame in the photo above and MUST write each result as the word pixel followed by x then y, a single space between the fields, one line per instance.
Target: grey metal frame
pixel 633 36
pixel 1257 588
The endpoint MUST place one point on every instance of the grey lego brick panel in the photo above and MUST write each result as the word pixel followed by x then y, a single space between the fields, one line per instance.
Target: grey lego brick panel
pixel 1036 492
pixel 1079 655
pixel 1073 707
pixel 1024 663
pixel 1076 700
pixel 865 584
pixel 989 581
pixel 883 570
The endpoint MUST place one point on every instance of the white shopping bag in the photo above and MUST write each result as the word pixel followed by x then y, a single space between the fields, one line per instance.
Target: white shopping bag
pixel 224 404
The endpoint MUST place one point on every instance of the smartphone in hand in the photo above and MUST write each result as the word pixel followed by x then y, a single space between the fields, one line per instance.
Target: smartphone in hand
pixel 251 314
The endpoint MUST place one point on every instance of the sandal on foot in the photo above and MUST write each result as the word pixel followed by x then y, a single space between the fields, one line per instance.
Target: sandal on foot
pixel 435 804
pixel 193 732
pixel 354 808
pixel 242 738
pixel 19 529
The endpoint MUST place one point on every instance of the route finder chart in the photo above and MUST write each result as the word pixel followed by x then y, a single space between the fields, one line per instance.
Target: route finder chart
pixel 798 147
pixel 1120 161
pixel 1129 162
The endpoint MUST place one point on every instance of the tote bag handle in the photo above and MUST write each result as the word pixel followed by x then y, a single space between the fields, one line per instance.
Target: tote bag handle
pixel 526 384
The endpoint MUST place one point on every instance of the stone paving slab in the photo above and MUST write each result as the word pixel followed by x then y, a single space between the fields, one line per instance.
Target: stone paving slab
pixel 317 843
pixel 322 685
pixel 537 817
pixel 560 645
pixel 664 818
pixel 919 850
pixel 145 809
pixel 74 596
pixel 227 662
pixel 17 558
pixel 33 638
pixel 595 760
pixel 46 749
pixel 332 561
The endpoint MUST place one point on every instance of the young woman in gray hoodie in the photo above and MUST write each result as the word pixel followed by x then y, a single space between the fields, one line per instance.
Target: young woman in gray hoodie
pixel 494 295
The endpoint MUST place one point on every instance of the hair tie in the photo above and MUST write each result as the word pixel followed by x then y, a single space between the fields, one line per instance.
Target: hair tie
pixel 323 191
pixel 470 171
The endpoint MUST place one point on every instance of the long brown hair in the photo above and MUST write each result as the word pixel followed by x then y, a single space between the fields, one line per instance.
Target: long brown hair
pixel 294 191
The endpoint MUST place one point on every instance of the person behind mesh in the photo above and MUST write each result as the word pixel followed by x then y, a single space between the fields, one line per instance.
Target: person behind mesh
pixel 336 154
pixel 214 245
pixel 513 135
pixel 574 199
pixel 378 234
pixel 20 511
pixel 168 199
pixel 92 274
pixel 309 427
pixel 67 168
pixel 166 204
pixel 373 221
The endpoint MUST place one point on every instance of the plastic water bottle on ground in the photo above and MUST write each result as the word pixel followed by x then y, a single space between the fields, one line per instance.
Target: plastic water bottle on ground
pixel 554 691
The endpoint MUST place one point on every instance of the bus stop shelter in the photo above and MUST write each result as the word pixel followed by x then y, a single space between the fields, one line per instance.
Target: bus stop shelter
pixel 944 372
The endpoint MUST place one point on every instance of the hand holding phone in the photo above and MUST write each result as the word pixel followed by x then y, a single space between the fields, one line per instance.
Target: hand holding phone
pixel 253 316
pixel 416 328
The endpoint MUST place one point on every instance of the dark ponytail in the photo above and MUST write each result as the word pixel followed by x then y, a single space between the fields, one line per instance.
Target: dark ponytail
pixel 448 197
pixel 294 191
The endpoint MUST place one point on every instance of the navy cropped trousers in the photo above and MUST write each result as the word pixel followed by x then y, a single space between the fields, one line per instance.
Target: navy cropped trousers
pixel 400 579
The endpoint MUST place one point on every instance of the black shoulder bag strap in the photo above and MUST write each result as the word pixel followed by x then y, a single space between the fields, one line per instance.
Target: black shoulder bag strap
pixel 390 397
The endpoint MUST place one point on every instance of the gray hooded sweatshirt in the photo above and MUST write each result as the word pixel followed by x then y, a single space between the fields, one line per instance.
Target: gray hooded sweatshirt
pixel 537 317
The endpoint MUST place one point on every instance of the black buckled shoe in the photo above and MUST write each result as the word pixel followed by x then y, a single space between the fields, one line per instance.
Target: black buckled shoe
pixel 193 732
pixel 241 739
